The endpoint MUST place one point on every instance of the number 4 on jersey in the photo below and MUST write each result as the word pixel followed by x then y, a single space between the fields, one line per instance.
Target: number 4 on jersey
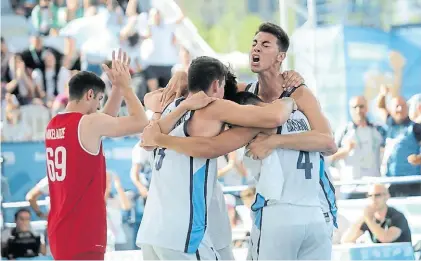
pixel 56 163
pixel 306 165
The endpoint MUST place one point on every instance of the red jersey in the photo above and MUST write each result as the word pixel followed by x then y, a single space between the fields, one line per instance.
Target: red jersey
pixel 77 181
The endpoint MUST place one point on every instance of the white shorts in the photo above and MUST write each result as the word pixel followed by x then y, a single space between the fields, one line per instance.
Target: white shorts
pixel 226 253
pixel 150 252
pixel 287 232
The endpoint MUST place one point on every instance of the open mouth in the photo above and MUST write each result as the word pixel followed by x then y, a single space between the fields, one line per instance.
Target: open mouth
pixel 255 58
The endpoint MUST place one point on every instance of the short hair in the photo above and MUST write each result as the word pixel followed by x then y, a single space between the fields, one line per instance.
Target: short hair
pixel 230 85
pixel 247 98
pixel 203 71
pixel 278 32
pixel 21 210
pixel 82 82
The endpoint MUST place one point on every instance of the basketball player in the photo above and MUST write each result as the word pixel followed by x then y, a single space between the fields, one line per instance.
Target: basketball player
pixel 187 192
pixel 77 227
pixel 269 50
pixel 219 226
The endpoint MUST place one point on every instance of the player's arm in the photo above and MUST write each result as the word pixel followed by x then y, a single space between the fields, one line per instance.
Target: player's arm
pixel 32 196
pixel 270 116
pixel 321 130
pixel 291 79
pixel 308 141
pixel 153 100
pixel 195 102
pixel 113 104
pixel 201 147
pixel 107 126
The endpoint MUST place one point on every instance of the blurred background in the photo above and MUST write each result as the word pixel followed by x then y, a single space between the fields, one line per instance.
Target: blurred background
pixel 362 59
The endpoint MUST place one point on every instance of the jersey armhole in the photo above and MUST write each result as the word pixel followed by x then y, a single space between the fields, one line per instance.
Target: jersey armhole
pixel 80 140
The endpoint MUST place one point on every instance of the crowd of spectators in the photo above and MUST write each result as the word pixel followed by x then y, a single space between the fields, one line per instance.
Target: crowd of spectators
pixel 38 75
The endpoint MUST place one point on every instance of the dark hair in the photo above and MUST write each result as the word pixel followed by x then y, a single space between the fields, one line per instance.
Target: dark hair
pixel 2 39
pixel 203 71
pixel 133 39
pixel 247 98
pixel 21 210
pixel 82 82
pixel 278 32
pixel 230 85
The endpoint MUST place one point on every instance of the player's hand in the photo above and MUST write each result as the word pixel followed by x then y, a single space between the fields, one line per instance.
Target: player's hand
pixel 197 101
pixel 119 73
pixel 175 88
pixel 414 159
pixel 260 147
pixel 150 134
pixel 292 79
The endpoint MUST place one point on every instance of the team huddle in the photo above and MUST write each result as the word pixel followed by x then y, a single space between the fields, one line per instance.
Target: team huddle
pixel 277 118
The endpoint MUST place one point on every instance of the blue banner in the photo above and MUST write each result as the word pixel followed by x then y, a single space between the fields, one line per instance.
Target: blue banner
pixel 25 166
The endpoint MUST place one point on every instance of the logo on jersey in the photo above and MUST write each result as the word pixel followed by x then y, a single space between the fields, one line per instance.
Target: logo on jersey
pixel 296 125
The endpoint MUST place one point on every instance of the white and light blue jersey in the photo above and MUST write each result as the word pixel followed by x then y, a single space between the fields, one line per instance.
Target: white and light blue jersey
pixel 176 212
pixel 307 162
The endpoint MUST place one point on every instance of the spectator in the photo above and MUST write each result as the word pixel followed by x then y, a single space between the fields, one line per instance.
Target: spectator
pixel 234 218
pixel 415 108
pixel 22 241
pixel 415 115
pixel 141 170
pixel 185 58
pixel 385 224
pixel 42 17
pixel 115 204
pixel 140 175
pixel 13 128
pixel 164 53
pixel 360 143
pixel 53 81
pixel 23 7
pixel 5 57
pixel 231 170
pixel 19 82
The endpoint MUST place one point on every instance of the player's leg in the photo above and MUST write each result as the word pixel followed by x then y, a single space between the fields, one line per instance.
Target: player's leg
pixel 277 239
pixel 148 252
pixel 205 251
pixel 226 253
pixel 317 244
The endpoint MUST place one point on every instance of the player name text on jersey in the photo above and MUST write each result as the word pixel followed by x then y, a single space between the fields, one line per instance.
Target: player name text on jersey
pixel 294 125
pixel 55 134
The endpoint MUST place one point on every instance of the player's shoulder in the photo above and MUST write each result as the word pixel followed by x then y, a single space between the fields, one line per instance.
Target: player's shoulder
pixel 172 105
pixel 241 86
